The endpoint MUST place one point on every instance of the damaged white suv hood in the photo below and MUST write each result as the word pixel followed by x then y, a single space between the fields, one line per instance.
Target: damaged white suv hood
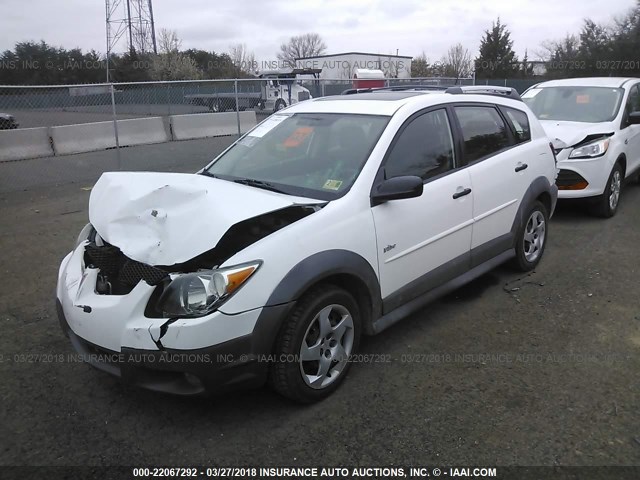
pixel 169 218
pixel 572 133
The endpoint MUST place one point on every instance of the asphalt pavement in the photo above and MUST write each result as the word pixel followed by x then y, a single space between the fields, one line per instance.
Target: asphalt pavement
pixel 541 369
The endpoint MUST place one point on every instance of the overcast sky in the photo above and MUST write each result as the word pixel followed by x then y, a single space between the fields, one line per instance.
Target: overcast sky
pixel 378 26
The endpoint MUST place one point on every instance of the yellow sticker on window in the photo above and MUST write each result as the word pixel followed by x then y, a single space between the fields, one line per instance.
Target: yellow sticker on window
pixel 332 184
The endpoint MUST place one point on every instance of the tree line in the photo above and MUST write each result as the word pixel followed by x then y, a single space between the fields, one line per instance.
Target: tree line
pixel 38 63
pixel 598 49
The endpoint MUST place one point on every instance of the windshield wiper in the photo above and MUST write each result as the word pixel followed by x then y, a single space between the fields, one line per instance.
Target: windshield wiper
pixel 259 184
pixel 207 173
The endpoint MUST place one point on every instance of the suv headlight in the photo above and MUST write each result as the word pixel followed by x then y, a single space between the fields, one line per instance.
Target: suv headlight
pixel 200 293
pixel 591 150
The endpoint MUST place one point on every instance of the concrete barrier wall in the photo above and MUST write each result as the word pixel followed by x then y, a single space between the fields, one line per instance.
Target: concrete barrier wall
pixel 142 131
pixel 247 121
pixel 25 143
pixel 88 137
pixel 85 137
pixel 187 127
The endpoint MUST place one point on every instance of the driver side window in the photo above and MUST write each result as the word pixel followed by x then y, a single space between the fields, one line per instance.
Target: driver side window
pixel 424 148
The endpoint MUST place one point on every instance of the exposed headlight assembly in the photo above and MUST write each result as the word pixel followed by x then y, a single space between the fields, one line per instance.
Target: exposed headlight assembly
pixel 591 150
pixel 200 293
pixel 84 234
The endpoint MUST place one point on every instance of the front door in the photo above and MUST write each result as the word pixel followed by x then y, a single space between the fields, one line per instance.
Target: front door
pixel 424 241
pixel 631 133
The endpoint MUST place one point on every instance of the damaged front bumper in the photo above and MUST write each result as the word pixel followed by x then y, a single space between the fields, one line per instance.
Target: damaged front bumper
pixel 211 354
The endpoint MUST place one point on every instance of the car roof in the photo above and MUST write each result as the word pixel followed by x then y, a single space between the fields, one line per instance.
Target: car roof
pixel 381 95
pixel 386 103
pixel 614 82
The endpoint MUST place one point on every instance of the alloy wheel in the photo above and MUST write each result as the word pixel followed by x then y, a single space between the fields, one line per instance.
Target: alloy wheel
pixel 326 346
pixel 614 189
pixel 534 236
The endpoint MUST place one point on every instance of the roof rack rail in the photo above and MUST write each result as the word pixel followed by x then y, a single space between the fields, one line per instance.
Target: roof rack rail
pixel 485 90
pixel 393 88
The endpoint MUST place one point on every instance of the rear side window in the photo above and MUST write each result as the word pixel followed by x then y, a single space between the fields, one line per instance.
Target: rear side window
pixel 424 148
pixel 519 123
pixel 484 131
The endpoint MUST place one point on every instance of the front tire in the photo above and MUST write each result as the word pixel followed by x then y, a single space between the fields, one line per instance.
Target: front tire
pixel 531 238
pixel 606 205
pixel 280 104
pixel 313 347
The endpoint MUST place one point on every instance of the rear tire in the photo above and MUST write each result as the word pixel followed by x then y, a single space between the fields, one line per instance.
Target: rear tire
pixel 314 344
pixel 606 205
pixel 531 238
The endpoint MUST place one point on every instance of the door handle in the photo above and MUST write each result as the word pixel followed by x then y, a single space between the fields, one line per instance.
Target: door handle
pixel 461 193
pixel 521 166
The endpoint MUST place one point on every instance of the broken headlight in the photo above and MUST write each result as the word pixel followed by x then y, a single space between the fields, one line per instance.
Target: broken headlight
pixel 200 293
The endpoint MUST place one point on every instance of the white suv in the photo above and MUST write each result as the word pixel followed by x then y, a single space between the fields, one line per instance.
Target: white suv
pixel 334 218
pixel 595 124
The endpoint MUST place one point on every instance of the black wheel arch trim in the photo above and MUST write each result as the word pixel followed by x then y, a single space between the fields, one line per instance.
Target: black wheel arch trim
pixel 538 187
pixel 330 263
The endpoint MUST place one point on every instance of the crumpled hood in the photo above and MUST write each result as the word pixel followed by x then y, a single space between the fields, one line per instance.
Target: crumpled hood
pixel 572 133
pixel 169 218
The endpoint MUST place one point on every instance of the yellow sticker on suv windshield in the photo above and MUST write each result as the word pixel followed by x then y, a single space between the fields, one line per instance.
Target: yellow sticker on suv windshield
pixel 333 184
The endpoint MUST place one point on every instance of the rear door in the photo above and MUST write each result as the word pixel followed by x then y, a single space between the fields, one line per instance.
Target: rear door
pixel 424 241
pixel 500 173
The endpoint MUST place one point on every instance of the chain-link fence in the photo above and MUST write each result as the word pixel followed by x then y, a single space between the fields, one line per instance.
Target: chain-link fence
pixel 73 133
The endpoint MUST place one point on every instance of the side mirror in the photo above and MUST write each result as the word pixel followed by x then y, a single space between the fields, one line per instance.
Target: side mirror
pixel 634 118
pixel 397 188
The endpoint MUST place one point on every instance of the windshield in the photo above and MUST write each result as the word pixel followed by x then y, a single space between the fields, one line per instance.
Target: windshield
pixel 317 155
pixel 574 104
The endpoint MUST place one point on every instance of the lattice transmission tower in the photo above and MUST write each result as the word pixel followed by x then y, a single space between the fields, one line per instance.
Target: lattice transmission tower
pixel 131 20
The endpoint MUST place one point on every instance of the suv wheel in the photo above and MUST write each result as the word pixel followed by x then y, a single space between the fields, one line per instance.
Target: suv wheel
pixel 313 348
pixel 531 239
pixel 607 204
pixel 280 104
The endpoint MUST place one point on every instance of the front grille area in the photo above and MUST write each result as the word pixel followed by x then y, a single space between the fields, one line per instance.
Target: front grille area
pixel 303 96
pixel 119 270
pixel 569 178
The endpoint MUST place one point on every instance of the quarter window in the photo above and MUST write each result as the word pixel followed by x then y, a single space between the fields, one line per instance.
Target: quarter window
pixel 483 130
pixel 424 148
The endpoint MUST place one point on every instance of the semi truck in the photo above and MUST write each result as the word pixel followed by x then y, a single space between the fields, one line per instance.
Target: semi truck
pixel 278 89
